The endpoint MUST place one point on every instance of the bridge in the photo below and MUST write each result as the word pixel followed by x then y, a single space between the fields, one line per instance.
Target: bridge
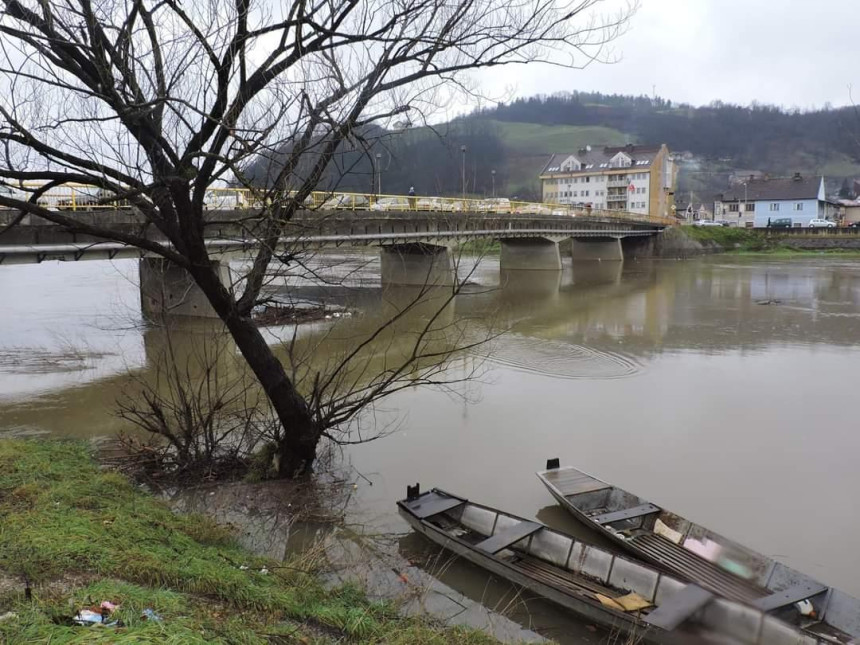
pixel 416 236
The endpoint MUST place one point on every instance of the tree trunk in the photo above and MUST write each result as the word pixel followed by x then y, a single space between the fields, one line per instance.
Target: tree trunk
pixel 296 450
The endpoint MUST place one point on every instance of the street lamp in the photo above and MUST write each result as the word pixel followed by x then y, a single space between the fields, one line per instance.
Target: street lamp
pixel 463 150
pixel 378 173
pixel 493 175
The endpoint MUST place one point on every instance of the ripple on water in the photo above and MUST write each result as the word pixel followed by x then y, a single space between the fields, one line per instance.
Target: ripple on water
pixel 18 360
pixel 561 360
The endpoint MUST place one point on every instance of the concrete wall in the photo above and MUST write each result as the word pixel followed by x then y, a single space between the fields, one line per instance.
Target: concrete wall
pixel 417 265
pixel 166 289
pixel 530 255
pixel 603 250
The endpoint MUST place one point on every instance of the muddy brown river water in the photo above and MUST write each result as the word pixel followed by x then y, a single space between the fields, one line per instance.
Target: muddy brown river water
pixel 726 389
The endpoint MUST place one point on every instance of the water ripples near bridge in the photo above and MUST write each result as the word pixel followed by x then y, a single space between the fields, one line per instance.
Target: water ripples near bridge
pixel 558 359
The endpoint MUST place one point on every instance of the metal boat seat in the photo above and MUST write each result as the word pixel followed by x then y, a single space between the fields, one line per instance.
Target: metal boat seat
pixel 626 514
pixel 507 537
pixel 789 596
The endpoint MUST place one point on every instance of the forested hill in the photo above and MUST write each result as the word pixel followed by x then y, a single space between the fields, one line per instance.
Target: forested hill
pixel 721 137
pixel 757 135
pixel 515 140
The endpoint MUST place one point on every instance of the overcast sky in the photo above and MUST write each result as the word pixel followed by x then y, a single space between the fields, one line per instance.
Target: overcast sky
pixel 794 53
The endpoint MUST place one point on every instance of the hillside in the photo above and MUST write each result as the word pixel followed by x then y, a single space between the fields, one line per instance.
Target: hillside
pixel 719 138
pixel 528 145
pixel 516 139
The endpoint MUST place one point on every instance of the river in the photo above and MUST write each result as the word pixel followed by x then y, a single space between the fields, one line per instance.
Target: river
pixel 723 388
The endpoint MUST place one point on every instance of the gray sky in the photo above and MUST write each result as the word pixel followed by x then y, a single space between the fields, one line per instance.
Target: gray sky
pixel 793 53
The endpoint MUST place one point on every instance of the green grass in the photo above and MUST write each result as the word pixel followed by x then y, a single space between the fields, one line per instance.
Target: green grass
pixel 530 145
pixel 729 238
pixel 537 139
pixel 748 242
pixel 82 535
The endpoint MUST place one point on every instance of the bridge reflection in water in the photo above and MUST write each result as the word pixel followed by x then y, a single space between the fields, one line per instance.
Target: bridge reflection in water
pixel 594 320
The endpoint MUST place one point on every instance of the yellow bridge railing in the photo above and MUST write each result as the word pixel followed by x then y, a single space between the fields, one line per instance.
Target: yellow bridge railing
pixel 78 197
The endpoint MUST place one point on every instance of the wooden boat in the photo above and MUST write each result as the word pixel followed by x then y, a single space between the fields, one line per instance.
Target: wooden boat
pixel 697 555
pixel 609 589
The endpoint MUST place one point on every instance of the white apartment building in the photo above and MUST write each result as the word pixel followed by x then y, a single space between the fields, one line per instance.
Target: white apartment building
pixel 637 179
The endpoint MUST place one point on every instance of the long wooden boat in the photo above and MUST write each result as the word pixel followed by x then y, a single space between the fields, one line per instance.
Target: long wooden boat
pixel 611 590
pixel 700 556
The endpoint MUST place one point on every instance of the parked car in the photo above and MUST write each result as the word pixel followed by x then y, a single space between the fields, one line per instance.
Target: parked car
pixel 706 222
pixel 495 205
pixel 438 204
pixel 345 202
pixel 391 204
pixel 780 222
pixel 723 222
pixel 83 198
pixel 821 223
pixel 223 199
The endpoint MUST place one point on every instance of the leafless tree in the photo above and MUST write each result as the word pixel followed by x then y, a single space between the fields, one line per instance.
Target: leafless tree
pixel 153 102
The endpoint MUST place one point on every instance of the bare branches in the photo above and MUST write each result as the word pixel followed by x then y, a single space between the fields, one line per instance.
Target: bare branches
pixel 158 101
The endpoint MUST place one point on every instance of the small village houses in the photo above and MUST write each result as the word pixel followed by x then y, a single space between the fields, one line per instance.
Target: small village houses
pixel 759 201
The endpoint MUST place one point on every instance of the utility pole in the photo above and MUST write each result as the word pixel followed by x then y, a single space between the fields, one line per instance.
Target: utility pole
pixel 493 175
pixel 378 173
pixel 463 150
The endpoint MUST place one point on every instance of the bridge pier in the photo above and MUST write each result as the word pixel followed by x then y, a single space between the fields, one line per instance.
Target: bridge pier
pixel 166 289
pixel 600 250
pixel 417 265
pixel 532 254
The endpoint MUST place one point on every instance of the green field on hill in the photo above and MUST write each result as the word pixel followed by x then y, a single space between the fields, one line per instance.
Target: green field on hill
pixel 530 144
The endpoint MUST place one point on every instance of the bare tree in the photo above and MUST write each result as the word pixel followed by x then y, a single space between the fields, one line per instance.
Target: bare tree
pixel 153 102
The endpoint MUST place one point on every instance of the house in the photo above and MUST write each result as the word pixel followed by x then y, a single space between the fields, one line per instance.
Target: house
pixel 638 179
pixel 738 177
pixel 691 212
pixel 849 211
pixel 758 201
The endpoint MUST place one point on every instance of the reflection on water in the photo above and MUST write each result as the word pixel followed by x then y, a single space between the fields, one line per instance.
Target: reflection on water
pixel 721 388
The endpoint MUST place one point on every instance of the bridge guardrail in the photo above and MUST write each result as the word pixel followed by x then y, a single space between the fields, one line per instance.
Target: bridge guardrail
pixel 84 198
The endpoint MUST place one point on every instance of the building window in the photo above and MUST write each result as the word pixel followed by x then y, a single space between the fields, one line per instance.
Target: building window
pixel 749 207
pixel 774 207
pixel 798 206
pixel 585 193
pixel 734 208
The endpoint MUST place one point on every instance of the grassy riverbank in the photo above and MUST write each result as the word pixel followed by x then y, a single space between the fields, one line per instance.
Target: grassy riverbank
pixel 82 535
pixel 750 242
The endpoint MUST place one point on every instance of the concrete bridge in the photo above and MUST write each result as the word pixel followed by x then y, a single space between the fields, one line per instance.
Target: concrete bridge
pixel 416 247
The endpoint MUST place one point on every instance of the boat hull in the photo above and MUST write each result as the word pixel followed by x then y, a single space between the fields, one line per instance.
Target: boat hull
pixel 497 567
pixel 727 569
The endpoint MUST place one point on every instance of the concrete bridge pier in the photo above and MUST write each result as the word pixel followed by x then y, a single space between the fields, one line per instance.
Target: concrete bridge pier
pixel 530 254
pixel 596 249
pixel 417 265
pixel 166 289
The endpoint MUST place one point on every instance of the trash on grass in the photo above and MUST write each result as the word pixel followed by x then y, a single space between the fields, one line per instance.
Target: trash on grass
pixel 88 617
pixel 149 614
pixel 9 615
